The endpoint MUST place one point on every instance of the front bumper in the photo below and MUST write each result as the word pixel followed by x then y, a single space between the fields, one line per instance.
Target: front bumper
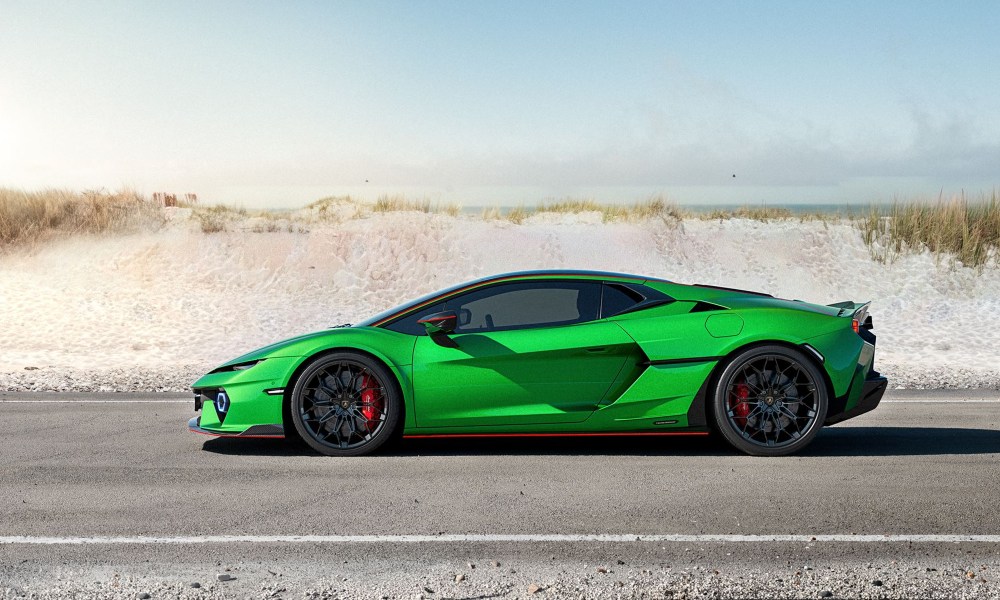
pixel 243 403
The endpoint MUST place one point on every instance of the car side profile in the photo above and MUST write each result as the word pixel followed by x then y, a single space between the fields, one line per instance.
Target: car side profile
pixel 561 353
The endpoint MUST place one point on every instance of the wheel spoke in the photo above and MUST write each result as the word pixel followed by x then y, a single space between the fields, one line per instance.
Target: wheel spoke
pixel 326 417
pixel 794 420
pixel 317 402
pixel 781 372
pixel 360 421
pixel 321 382
pixel 777 426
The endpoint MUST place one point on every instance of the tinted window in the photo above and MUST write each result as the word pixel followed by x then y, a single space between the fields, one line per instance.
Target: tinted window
pixel 513 306
pixel 521 305
pixel 408 324
pixel 618 298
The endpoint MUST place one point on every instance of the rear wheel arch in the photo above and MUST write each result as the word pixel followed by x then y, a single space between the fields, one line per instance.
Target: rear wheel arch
pixel 713 378
pixel 775 409
pixel 286 398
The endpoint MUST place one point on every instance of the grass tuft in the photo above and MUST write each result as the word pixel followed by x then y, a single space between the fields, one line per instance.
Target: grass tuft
pixel 28 217
pixel 968 231
pixel 754 213
pixel 217 217
pixel 518 214
pixel 397 203
pixel 653 208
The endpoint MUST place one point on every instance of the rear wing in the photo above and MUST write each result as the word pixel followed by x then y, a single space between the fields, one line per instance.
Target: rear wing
pixel 857 311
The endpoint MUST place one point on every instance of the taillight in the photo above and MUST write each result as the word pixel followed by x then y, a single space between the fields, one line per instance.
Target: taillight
pixel 855 326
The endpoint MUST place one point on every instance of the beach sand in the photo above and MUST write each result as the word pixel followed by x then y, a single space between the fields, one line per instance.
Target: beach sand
pixel 152 311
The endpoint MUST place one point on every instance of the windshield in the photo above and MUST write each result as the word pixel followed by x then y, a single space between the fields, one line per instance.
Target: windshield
pixel 405 307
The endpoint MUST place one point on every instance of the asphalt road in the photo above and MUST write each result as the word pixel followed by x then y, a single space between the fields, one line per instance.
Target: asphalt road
pixel 93 466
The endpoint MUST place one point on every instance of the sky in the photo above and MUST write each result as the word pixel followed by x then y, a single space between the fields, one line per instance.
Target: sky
pixel 503 103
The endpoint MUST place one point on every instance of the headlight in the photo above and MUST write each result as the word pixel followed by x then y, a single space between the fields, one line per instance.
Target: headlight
pixel 238 366
pixel 221 404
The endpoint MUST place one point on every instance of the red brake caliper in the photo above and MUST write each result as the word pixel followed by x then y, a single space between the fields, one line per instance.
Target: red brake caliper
pixel 737 402
pixel 371 400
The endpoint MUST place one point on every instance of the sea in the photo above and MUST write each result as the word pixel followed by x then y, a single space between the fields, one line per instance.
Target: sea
pixel 834 209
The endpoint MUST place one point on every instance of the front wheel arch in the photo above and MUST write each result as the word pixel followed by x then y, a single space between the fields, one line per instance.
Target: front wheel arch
pixel 286 399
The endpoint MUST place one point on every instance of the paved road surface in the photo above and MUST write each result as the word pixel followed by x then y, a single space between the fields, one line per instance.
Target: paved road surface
pixel 92 466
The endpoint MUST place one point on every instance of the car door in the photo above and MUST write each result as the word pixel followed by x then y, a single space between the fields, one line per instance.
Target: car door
pixel 522 353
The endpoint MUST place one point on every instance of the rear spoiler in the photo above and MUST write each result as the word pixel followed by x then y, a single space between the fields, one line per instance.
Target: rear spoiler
pixel 858 311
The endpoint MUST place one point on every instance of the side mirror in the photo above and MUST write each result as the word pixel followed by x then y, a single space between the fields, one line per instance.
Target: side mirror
pixel 442 322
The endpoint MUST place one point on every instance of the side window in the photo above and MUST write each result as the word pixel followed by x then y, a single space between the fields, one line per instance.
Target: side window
pixel 528 304
pixel 409 325
pixel 618 298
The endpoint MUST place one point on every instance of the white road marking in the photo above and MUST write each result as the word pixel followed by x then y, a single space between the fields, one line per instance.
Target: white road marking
pixel 502 538
pixel 177 401
pixel 97 401
pixel 940 402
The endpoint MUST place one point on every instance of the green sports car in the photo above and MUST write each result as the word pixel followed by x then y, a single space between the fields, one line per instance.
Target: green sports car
pixel 558 353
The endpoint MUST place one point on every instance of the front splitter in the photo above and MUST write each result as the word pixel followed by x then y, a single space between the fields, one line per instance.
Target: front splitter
pixel 255 432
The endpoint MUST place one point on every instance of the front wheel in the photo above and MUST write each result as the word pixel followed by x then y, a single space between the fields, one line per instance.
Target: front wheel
pixel 345 404
pixel 769 401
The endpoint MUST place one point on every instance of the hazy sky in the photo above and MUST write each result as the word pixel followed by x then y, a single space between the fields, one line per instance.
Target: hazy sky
pixel 281 103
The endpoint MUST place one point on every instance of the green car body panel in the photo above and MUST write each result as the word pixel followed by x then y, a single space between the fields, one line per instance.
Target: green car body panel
pixel 643 370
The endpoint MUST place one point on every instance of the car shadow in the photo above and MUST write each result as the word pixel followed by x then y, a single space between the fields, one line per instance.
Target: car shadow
pixel 255 447
pixel 562 446
pixel 508 446
pixel 831 441
pixel 903 441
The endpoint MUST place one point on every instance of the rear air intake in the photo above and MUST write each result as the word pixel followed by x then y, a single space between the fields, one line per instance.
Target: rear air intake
pixel 706 307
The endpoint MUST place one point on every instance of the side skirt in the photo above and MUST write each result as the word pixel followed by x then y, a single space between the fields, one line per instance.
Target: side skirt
pixel 425 436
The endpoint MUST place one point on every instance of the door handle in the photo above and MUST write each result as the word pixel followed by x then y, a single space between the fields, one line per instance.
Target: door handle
pixel 597 350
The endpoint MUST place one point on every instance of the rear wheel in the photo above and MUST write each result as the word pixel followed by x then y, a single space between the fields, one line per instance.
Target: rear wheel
pixel 769 401
pixel 345 404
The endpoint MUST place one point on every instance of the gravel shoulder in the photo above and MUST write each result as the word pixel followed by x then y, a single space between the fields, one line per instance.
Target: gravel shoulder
pixel 505 571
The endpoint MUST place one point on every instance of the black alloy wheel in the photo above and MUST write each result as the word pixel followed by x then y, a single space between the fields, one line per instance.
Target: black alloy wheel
pixel 770 401
pixel 345 404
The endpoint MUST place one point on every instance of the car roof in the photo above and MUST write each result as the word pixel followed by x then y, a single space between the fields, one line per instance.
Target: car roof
pixel 563 273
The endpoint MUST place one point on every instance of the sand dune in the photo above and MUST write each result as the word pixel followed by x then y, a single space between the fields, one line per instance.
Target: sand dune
pixel 152 310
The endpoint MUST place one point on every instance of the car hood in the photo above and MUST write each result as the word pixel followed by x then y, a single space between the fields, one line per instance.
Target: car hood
pixel 288 347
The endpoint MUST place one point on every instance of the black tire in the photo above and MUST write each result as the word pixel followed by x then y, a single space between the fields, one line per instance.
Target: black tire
pixel 769 401
pixel 346 404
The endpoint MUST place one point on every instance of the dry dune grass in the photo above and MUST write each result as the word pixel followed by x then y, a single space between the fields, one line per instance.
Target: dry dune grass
pixel 755 213
pixel 656 207
pixel 401 203
pixel 333 207
pixel 217 217
pixel 968 231
pixel 27 217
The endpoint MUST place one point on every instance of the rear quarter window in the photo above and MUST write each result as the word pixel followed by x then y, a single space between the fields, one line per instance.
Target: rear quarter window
pixel 618 298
